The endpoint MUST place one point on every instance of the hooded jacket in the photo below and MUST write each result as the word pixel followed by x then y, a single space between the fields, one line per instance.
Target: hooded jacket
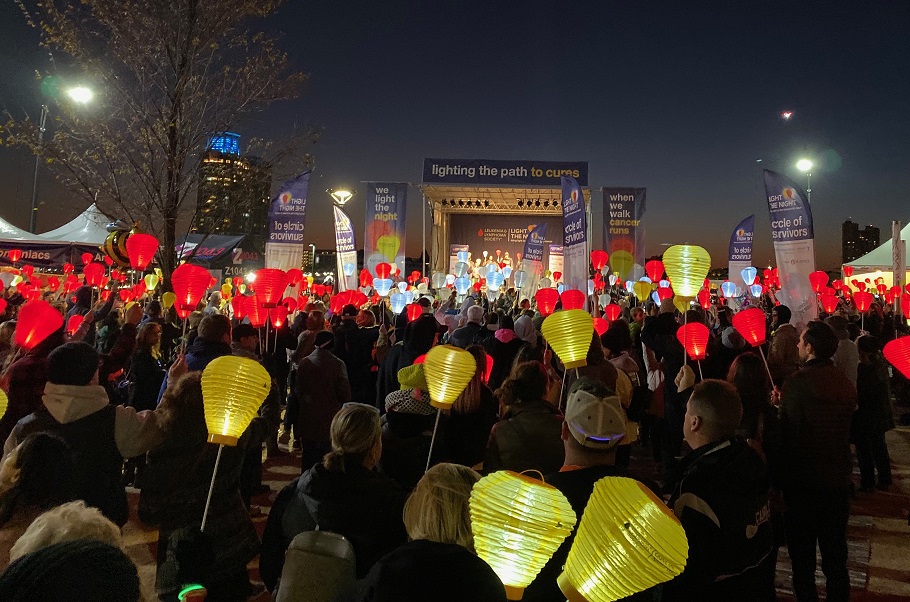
pixel 722 502
pixel 363 505
pixel 25 379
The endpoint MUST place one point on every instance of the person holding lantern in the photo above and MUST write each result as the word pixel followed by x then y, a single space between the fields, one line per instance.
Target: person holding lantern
pixel 82 305
pixel 816 409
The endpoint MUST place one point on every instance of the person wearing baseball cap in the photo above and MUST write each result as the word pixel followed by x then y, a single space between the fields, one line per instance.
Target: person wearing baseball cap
pixel 594 425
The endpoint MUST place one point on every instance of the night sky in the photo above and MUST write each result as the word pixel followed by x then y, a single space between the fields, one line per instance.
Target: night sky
pixel 682 98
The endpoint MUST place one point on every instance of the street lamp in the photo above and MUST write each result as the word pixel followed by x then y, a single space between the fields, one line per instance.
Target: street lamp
pixel 78 94
pixel 805 166
pixel 341 196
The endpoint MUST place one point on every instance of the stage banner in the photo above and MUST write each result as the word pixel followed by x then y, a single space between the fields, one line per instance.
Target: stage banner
pixel 794 246
pixel 554 260
pixel 345 251
pixel 532 258
pixel 624 236
pixel 740 251
pixel 574 236
pixel 502 173
pixel 384 238
pixel 48 255
pixel 287 217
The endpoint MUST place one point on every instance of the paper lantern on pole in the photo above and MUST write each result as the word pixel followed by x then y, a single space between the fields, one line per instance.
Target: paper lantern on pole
pixel 87 258
pixel 829 303
pixel 601 326
pixel 612 312
pixel 414 311
pixel 270 285
pixel 37 320
pixel 141 249
pixel 862 300
pixel 628 540
pixel 546 300
pixel 750 323
pixel 518 523
pixel 572 299
pixel 278 315
pixel 704 298
pixel 654 269
pixel 641 290
pixel 664 292
pixel 73 323
pixel 569 334
pixel 255 312
pixel 848 271
pixel 694 339
pixel 448 371
pixel 599 259
pixel 94 272
pixel 818 280
pixel 687 266
pixel 190 282
pixel 233 388
pixel 14 255
pixel 897 352
pixel 383 270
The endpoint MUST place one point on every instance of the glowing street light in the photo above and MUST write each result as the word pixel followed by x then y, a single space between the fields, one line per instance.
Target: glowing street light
pixel 80 94
pixel 341 196
pixel 805 166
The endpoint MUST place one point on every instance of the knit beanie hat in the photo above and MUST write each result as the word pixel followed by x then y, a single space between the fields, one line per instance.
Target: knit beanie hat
pixel 86 570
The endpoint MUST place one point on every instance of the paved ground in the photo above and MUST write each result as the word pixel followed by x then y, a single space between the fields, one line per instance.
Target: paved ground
pixel 879 535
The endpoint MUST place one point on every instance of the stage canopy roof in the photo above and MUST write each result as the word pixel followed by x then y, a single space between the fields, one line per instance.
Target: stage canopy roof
pixel 89 227
pixel 880 257
pixel 11 232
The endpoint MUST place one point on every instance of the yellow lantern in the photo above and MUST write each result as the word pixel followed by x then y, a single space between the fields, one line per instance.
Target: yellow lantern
pixel 226 290
pixel 642 290
pixel 167 299
pixel 569 334
pixel 448 371
pixel 518 522
pixel 627 541
pixel 687 266
pixel 4 402
pixel 151 281
pixel 233 388
pixel 683 304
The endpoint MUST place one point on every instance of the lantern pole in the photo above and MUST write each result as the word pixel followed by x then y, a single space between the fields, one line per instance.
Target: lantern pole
pixel 432 440
pixel 700 373
pixel 208 499
pixel 762 352
pixel 183 336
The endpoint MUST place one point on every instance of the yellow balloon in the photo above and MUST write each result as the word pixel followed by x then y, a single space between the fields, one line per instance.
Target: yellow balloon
pixel 388 245
pixel 687 266
pixel 151 281
pixel 683 304
pixel 233 388
pixel 518 522
pixel 167 299
pixel 569 334
pixel 627 541
pixel 642 290
pixel 448 371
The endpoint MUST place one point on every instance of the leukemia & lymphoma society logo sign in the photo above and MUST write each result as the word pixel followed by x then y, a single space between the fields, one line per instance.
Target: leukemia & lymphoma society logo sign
pixel 571 203
pixel 790 193
pixel 287 202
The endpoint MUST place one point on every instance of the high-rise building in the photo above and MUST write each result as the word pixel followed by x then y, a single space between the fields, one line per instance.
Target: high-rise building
pixel 234 191
pixel 856 241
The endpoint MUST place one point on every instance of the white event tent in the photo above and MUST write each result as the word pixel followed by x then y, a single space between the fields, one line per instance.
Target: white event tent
pixel 877 263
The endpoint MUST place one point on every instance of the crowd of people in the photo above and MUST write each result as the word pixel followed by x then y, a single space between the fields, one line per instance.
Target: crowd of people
pixel 751 456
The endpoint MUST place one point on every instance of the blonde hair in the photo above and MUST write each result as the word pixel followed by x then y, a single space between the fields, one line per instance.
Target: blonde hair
pixel 355 432
pixel 438 509
pixel 67 522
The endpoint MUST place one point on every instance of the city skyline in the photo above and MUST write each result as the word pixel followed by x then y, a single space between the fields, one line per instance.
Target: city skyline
pixel 686 101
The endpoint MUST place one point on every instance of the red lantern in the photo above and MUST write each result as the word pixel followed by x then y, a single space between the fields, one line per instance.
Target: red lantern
pixel 546 300
pixel 488 369
pixel 294 276
pixel 28 270
pixel 366 279
pixel 141 249
pixel 53 284
pixel 573 299
pixel 237 281
pixel 557 276
pixel 664 292
pixel 829 303
pixel 862 300
pixel 238 304
pixel 108 260
pixel 94 272
pixel 848 271
pixel 360 300
pixel 897 352
pixel 290 303
pixel 68 268
pixel 278 314
pixel 73 324
pixel 881 288
pixel 477 286
pixel 87 258
pixel 305 284
pixel 750 323
pixel 599 259
pixel 654 269
pixel 414 311
pixel 302 300
pixel 37 320
pixel 319 289
pixel 256 313
pixel 183 314
pixel 14 255
pixel 125 295
pixel 270 285
pixel 329 288
pixel 704 298
pixel 612 312
pixel 105 295
pixel 818 280
pixel 383 270
pixel 190 282
pixel 601 326
pixel 694 338
pixel 3 305
pixel 905 305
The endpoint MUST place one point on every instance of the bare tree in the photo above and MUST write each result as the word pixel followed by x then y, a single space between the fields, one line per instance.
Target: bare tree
pixel 167 74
